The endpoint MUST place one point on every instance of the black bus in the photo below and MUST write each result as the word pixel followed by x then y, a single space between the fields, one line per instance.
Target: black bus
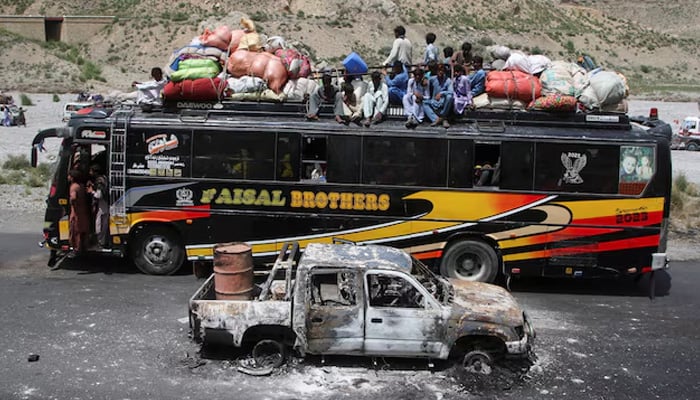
pixel 501 192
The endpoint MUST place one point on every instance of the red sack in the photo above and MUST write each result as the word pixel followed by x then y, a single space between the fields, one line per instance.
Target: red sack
pixel 297 64
pixel 203 89
pixel 513 85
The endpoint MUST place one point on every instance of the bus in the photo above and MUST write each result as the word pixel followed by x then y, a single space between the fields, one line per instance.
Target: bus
pixel 500 193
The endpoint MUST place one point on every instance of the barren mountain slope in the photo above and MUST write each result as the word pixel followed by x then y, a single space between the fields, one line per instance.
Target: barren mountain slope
pixel 651 48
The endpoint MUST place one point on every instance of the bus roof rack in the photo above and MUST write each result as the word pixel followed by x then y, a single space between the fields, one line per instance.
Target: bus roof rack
pixel 598 119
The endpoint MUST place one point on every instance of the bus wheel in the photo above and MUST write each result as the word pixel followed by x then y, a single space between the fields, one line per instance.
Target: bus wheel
pixel 692 146
pixel 157 250
pixel 470 260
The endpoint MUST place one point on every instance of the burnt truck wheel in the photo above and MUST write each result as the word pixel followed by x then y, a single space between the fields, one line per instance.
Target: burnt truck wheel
pixel 477 362
pixel 470 260
pixel 158 250
pixel 269 353
pixel 692 146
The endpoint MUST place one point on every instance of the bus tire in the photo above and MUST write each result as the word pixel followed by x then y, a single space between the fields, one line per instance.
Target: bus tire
pixel 692 146
pixel 470 260
pixel 157 250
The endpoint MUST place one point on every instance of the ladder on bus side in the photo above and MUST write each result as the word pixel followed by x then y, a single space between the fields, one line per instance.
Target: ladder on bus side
pixel 117 165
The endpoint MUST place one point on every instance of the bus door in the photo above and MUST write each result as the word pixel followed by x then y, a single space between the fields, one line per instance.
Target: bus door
pixel 79 157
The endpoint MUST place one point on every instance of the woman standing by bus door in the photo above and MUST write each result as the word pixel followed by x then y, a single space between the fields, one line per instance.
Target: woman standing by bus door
pixel 79 220
pixel 97 188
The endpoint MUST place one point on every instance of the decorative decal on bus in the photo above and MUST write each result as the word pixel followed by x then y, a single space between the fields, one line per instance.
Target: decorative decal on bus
pixel 243 196
pixel 160 143
pixel 574 163
pixel 183 197
pixel 340 200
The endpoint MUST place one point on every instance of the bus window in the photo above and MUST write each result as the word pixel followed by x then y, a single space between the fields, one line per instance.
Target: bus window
pixel 579 167
pixel 461 165
pixel 343 161
pixel 404 161
pixel 237 156
pixel 636 168
pixel 487 159
pixel 287 157
pixel 516 168
pixel 313 157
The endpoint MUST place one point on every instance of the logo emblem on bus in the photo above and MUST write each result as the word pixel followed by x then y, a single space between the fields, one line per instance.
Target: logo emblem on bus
pixel 161 142
pixel 574 163
pixel 184 197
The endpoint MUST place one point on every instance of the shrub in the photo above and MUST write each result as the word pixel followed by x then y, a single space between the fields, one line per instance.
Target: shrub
pixel 681 182
pixel 25 100
pixel 55 98
pixel 16 162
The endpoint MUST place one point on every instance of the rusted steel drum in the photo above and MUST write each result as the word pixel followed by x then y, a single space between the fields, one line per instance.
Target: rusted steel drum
pixel 233 271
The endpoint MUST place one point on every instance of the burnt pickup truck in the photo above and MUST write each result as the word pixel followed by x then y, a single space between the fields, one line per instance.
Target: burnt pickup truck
pixel 365 300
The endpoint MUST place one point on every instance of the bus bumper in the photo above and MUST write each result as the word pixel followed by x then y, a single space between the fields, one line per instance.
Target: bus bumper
pixel 659 261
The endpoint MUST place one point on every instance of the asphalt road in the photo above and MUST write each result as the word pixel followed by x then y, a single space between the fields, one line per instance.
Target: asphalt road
pixel 104 331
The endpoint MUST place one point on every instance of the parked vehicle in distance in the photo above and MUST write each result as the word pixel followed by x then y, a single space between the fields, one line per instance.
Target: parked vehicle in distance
pixel 367 300
pixel 71 108
pixel 689 135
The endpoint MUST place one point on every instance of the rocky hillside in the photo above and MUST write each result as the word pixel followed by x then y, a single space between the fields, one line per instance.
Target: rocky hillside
pixel 648 41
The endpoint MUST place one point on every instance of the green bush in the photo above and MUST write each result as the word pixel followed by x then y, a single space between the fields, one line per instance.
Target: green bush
pixel 55 98
pixel 25 100
pixel 15 162
pixel 12 178
pixel 681 183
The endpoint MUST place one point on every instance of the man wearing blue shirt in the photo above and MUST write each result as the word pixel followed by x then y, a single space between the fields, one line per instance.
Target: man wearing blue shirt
pixel 397 82
pixel 438 107
pixel 477 79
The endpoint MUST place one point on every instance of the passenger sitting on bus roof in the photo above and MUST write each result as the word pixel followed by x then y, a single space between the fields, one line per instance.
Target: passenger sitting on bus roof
pixel 396 81
pixel 326 93
pixel 413 100
pixel 359 86
pixel 431 51
pixel 375 101
pixel 477 79
pixel 149 91
pixel 437 107
pixel 401 49
pixel 462 90
pixel 463 56
pixel 448 52
pixel 352 109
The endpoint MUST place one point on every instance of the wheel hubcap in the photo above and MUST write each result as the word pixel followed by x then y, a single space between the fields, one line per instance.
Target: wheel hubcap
pixel 469 267
pixel 157 250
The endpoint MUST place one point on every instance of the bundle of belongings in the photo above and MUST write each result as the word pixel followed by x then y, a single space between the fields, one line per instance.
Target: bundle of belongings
pixel 519 81
pixel 239 65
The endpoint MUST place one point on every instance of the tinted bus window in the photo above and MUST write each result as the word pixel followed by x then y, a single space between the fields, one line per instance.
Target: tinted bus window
pixel 288 157
pixel 461 164
pixel 404 161
pixel 343 159
pixel 516 166
pixel 237 156
pixel 578 167
pixel 159 153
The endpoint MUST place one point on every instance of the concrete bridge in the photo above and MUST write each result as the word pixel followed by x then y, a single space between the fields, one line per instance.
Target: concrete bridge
pixel 70 29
